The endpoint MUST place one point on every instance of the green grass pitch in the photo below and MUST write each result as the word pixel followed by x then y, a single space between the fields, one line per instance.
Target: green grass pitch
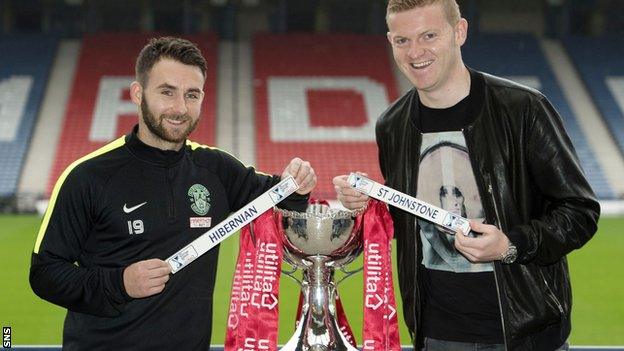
pixel 596 269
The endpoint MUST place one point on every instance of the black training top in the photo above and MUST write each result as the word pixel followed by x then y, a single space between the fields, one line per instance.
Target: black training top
pixel 128 202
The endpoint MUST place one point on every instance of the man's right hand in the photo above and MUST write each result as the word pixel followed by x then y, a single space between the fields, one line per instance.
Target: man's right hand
pixel 349 197
pixel 146 278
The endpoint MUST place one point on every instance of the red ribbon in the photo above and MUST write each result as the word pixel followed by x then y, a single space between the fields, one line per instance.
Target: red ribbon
pixel 254 312
pixel 380 329
pixel 253 316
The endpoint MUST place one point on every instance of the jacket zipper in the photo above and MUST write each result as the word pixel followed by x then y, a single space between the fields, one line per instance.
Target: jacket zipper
pixel 552 295
pixel 417 298
pixel 496 223
pixel 498 293
pixel 491 191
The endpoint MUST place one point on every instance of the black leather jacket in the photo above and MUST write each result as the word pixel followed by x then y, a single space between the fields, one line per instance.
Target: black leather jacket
pixel 532 187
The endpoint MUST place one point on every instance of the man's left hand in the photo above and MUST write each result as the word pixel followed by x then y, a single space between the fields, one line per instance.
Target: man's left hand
pixel 486 247
pixel 303 174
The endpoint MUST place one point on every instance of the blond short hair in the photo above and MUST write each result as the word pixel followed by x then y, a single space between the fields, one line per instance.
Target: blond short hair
pixel 451 8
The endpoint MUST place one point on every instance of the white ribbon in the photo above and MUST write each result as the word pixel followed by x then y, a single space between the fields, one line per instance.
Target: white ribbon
pixel 409 204
pixel 232 224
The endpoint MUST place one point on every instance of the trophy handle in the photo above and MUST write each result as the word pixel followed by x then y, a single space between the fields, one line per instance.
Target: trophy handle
pixel 348 273
pixel 290 274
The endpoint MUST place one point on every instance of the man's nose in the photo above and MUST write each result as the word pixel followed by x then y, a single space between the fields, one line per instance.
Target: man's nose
pixel 415 50
pixel 178 105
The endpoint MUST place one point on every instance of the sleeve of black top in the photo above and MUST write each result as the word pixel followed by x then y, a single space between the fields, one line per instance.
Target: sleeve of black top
pixel 244 184
pixel 55 273
pixel 571 215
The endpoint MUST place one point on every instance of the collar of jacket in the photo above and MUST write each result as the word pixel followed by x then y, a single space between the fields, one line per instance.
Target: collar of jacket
pixel 477 97
pixel 151 154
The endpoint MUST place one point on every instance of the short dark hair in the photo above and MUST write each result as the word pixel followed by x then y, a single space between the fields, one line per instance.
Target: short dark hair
pixel 177 49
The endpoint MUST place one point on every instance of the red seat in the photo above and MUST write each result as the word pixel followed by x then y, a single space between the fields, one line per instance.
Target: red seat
pixel 340 83
pixel 114 55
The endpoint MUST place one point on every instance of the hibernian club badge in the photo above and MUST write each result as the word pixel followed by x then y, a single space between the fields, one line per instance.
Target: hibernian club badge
pixel 200 199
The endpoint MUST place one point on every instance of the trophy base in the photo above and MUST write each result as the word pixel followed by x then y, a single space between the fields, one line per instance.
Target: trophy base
pixel 317 329
pixel 296 343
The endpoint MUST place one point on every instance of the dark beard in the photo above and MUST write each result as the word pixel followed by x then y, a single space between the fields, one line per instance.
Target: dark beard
pixel 156 125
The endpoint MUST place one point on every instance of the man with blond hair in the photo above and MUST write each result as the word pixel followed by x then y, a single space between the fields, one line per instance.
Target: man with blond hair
pixel 505 285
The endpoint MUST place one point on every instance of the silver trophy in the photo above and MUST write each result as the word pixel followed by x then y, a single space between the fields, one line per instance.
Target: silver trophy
pixel 319 241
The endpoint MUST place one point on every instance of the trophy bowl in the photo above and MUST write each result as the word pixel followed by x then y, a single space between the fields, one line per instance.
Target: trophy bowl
pixel 320 231
pixel 318 241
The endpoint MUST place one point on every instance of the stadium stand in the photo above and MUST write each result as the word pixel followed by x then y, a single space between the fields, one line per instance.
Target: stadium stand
pixel 599 62
pixel 519 57
pixel 318 97
pixel 594 128
pixel 32 187
pixel 24 67
pixel 99 108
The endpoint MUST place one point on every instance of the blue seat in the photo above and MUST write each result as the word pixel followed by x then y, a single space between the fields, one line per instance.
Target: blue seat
pixel 519 56
pixel 599 62
pixel 25 63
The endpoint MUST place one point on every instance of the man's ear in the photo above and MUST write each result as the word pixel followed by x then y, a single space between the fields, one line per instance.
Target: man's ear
pixel 136 92
pixel 461 31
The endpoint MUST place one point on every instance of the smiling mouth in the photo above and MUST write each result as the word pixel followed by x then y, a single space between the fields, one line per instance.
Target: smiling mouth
pixel 176 122
pixel 421 65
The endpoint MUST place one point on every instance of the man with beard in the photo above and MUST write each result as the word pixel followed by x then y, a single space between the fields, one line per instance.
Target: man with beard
pixel 115 214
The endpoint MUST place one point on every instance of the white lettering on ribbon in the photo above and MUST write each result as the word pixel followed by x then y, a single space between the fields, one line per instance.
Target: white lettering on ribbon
pixel 14 93
pixel 108 106
pixel 246 285
pixel 373 276
pixel 616 86
pixel 368 344
pixel 235 298
pixel 289 117
pixel 251 344
pixel 268 263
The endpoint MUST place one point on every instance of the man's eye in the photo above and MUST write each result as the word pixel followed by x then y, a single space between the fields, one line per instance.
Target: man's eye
pixel 166 92
pixel 192 96
pixel 400 41
pixel 430 36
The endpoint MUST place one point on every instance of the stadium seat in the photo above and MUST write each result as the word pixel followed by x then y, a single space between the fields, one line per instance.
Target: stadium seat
pixel 519 57
pixel 24 67
pixel 318 97
pixel 599 61
pixel 99 108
